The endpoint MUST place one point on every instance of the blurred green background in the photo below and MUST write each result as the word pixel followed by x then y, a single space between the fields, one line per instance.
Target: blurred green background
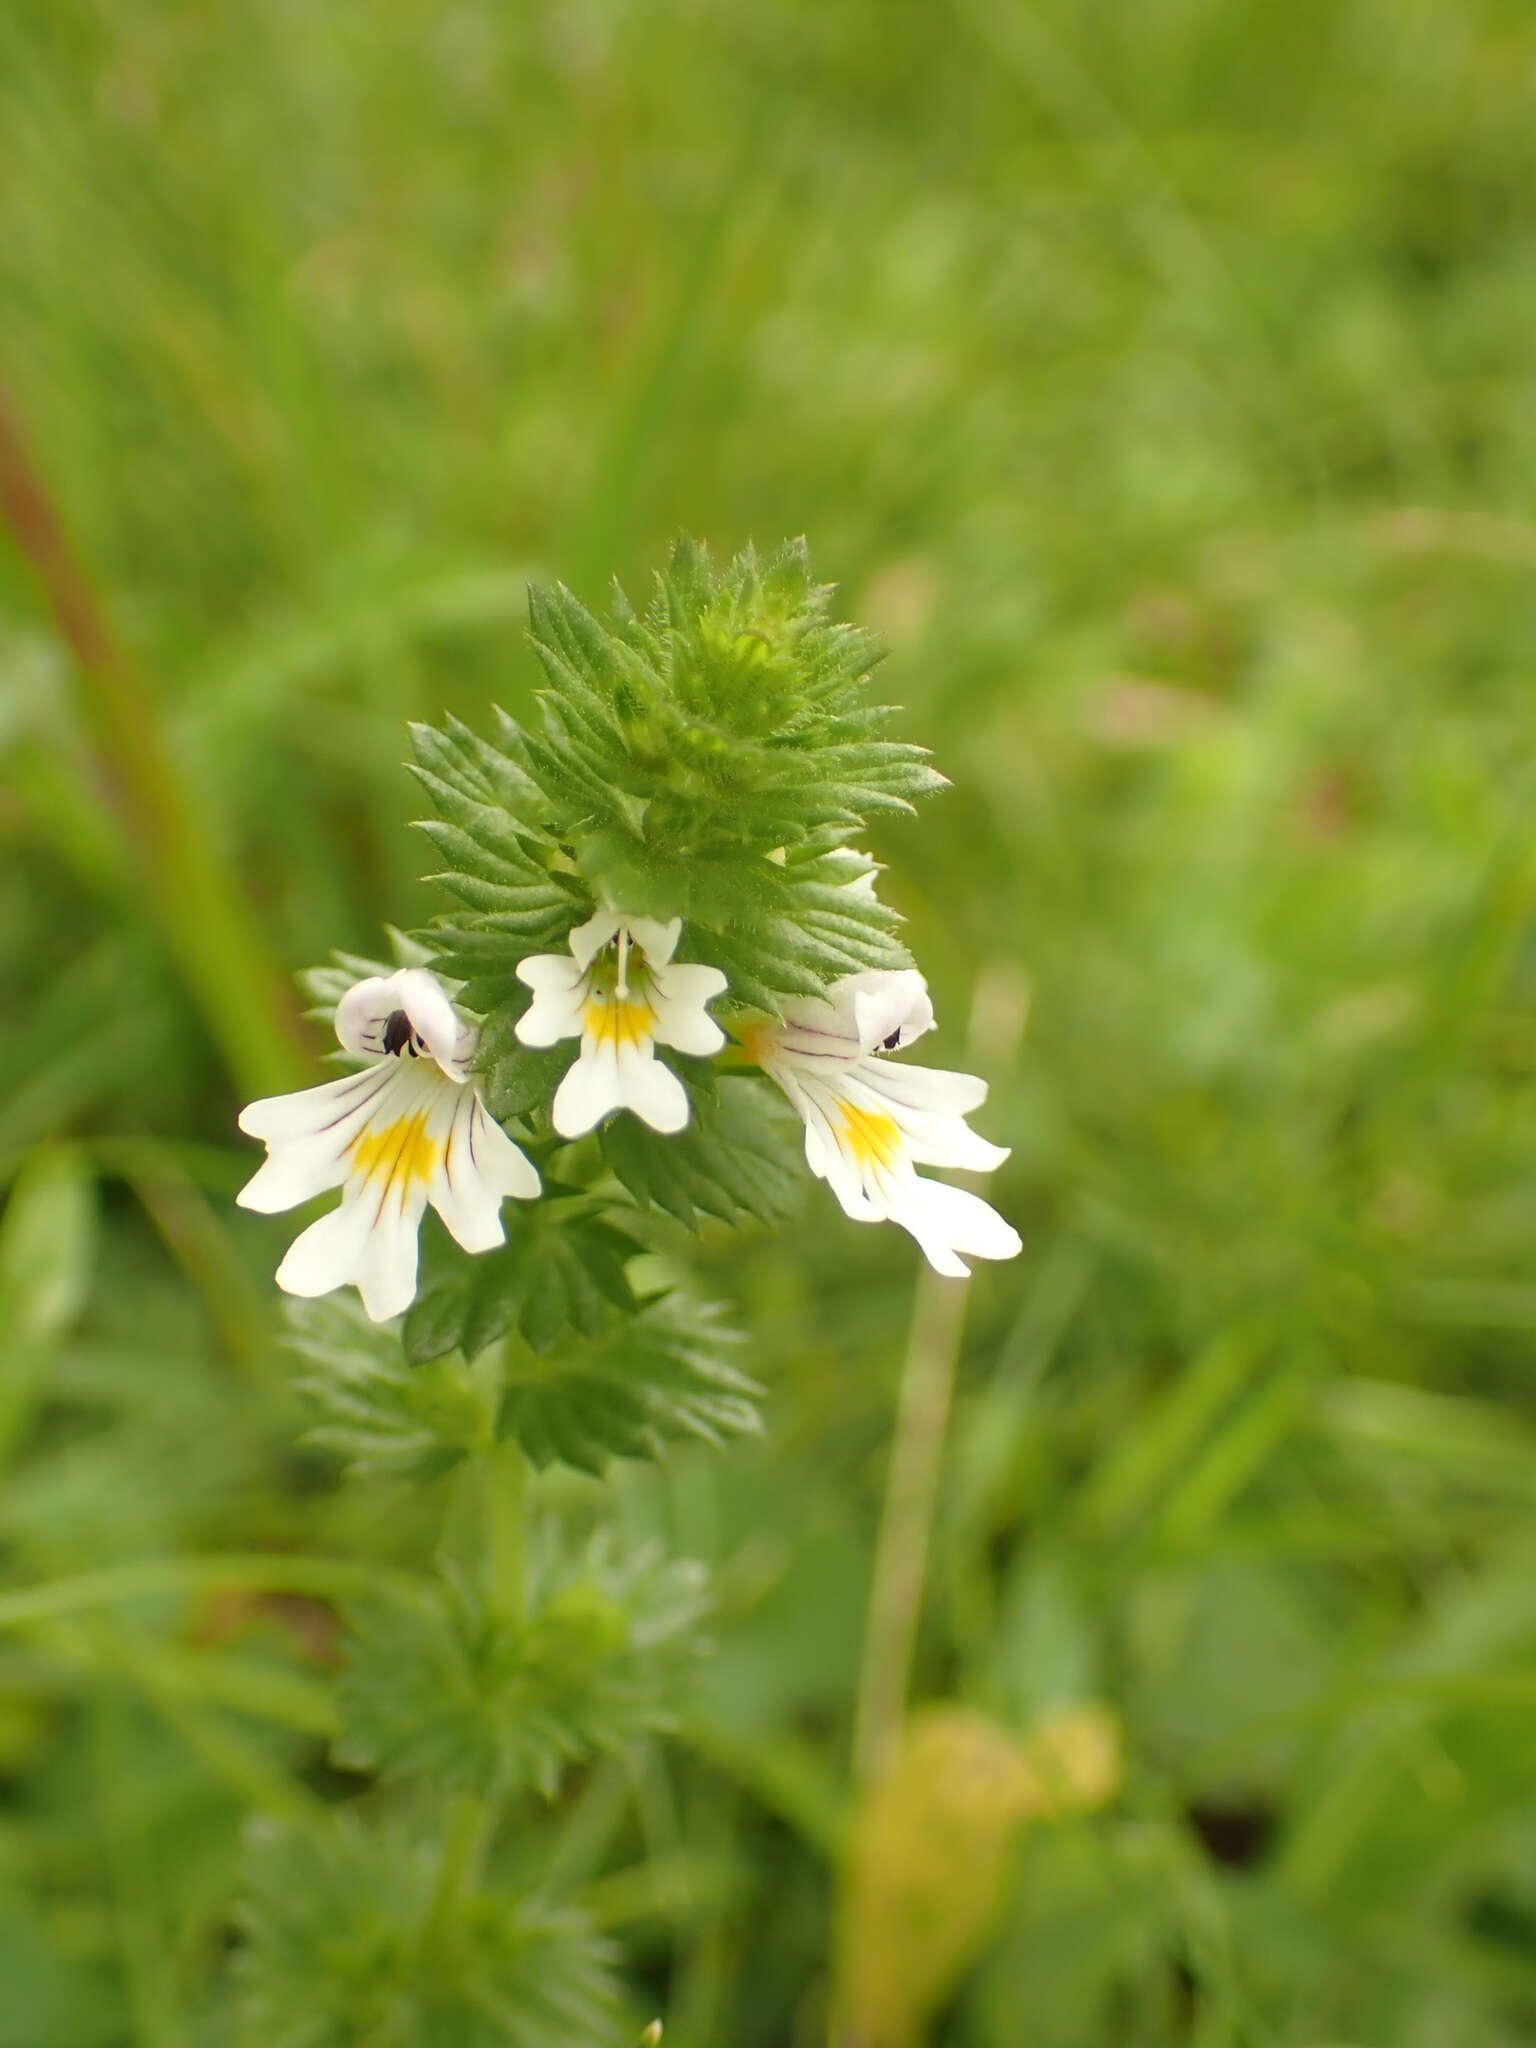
pixel 1157 379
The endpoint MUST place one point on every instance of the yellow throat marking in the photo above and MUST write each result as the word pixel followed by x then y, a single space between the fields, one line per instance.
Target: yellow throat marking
pixel 399 1151
pixel 871 1136
pixel 755 1040
pixel 616 1020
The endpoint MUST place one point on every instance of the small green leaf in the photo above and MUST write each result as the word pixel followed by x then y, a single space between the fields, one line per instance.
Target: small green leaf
pixel 467 1698
pixel 560 1269
pixel 650 1379
pixel 373 1409
pixel 739 1159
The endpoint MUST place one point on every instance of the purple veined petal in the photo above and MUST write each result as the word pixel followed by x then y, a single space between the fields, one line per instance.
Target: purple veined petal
pixel 364 1012
pixel 386 1267
pixel 930 1091
pixel 308 1112
pixel 889 1009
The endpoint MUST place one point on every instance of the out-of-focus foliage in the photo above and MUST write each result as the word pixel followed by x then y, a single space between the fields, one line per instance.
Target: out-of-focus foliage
pixel 1155 382
pixel 462 1697
pixel 345 1943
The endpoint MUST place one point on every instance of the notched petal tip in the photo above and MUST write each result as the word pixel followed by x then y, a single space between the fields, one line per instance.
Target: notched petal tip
pixel 587 940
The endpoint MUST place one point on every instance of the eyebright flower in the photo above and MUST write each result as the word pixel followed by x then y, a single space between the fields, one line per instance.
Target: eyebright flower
pixel 869 1121
pixel 407 1130
pixel 620 993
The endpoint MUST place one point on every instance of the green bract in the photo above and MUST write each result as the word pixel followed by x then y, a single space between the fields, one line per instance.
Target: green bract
pixel 703 759
pixel 345 1943
pixel 465 1697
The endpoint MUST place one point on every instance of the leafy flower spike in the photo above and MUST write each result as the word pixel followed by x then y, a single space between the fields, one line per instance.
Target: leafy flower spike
pixel 869 1121
pixel 408 1130
pixel 618 991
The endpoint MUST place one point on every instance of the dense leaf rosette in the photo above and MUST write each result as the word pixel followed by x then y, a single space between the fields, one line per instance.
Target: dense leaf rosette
pixel 707 759
pixel 457 1694
pixel 339 1947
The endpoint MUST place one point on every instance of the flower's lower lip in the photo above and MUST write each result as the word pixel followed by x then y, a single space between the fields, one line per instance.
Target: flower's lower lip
pixel 406 1131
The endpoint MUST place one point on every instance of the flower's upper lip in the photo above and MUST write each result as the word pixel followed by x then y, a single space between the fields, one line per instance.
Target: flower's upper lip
pixel 655 937
pixel 363 1014
pixel 860 1015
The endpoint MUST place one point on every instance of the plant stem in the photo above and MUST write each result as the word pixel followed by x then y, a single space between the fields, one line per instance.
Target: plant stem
pixel 917 1449
pixel 503 1479
pixel 466 1833
pixel 912 1481
pixel 906 1519
pixel 497 1491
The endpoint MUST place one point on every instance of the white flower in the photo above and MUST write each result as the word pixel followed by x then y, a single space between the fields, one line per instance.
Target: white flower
pixel 869 1121
pixel 620 993
pixel 409 1129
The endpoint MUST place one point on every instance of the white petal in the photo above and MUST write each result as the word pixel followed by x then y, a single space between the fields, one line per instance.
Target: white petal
pixel 931 1089
pixel 590 1089
pixel 812 1034
pixel 678 996
pixel 869 1167
pixel 326 1255
pixel 940 1142
pixel 386 1271
pixel 291 1174
pixel 480 1165
pixel 449 1039
pixel 500 1163
pixel 889 1009
pixel 466 1199
pixel 933 1137
pixel 941 1256
pixel 363 1012
pixel 829 1162
pixel 651 1090
pixel 369 1004
pixel 366 1008
pixel 555 1012
pixel 656 939
pixel 310 1111
pixel 947 1221
pixel 861 1012
pixel 589 939
pixel 826 1154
